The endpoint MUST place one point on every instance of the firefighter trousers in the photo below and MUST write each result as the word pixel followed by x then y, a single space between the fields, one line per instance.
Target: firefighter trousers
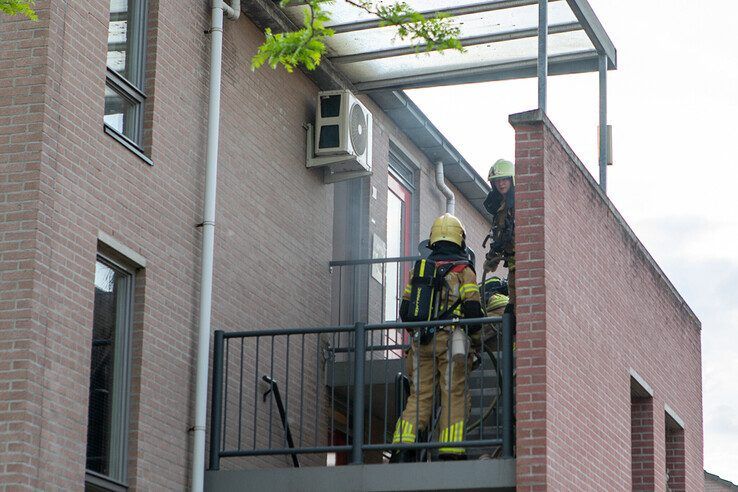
pixel 431 366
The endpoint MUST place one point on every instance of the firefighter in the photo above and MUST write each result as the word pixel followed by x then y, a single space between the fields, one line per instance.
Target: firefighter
pixel 495 300
pixel 495 295
pixel 500 203
pixel 433 360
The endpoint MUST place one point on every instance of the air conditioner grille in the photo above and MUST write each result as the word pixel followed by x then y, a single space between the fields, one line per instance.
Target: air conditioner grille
pixel 357 129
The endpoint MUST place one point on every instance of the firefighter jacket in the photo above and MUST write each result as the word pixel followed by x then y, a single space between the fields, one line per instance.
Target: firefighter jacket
pixel 461 284
pixel 502 208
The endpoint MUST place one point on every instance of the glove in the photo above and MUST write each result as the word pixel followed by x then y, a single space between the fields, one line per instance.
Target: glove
pixel 491 263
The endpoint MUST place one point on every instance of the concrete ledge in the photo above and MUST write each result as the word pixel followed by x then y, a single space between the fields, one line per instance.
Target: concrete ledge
pixel 638 385
pixel 677 420
pixel 121 248
pixel 537 116
pixel 460 475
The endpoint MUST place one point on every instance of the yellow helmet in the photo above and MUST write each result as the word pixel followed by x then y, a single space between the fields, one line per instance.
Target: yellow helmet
pixel 502 169
pixel 447 228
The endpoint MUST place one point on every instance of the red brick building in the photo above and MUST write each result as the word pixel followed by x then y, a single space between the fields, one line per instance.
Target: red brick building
pixel 101 186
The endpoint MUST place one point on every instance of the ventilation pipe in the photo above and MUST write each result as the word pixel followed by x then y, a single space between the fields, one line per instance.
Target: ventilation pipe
pixel 218 10
pixel 450 199
pixel 234 11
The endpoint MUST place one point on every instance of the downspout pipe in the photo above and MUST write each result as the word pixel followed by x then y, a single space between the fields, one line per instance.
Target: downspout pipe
pixel 218 10
pixel 441 183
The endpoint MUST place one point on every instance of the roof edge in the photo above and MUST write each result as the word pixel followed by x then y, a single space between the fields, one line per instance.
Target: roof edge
pixel 716 478
pixel 537 116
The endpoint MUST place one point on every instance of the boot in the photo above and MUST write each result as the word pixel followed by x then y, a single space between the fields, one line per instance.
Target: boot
pixel 403 456
pixel 452 457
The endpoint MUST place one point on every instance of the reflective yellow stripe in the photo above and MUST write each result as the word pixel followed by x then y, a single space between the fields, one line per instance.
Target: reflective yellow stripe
pixel 497 301
pixel 403 432
pixel 454 433
pixel 467 289
pixel 407 290
pixel 422 268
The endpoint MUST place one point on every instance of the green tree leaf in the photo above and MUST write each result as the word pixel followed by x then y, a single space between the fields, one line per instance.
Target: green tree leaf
pixel 306 46
pixel 19 7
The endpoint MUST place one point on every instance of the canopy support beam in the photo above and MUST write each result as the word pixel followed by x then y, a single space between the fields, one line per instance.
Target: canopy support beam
pixel 604 144
pixel 452 11
pixel 542 53
pixel 466 42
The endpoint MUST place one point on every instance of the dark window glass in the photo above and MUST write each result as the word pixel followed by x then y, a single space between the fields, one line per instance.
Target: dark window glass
pixel 118 39
pixel 124 94
pixel 119 112
pixel 108 397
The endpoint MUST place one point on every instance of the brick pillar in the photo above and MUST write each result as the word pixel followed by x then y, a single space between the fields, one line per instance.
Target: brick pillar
pixel 642 443
pixel 530 357
pixel 675 465
pixel 23 66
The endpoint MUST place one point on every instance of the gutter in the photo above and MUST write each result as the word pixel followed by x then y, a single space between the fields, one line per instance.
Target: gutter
pixel 218 11
pixel 441 183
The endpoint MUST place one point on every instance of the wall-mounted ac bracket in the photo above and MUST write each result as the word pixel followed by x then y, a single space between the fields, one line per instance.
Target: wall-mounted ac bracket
pixel 335 167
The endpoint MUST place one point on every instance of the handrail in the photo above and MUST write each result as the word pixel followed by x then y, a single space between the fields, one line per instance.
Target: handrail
pixel 373 261
pixel 274 389
pixel 352 328
pixel 316 379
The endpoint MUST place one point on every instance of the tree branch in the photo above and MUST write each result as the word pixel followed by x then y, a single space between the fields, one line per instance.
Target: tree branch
pixel 306 46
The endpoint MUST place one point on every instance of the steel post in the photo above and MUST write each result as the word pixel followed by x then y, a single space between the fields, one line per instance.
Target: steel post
pixel 216 402
pixel 542 53
pixel 358 406
pixel 604 144
pixel 507 386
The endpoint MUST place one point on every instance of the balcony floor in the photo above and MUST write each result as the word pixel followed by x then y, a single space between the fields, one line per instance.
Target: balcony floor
pixel 498 474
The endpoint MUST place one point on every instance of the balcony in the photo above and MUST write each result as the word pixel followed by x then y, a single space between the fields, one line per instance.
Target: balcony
pixel 289 407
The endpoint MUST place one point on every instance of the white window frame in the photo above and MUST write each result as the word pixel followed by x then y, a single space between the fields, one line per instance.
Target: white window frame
pixel 131 89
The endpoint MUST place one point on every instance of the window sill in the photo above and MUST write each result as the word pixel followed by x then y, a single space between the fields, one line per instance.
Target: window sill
pixel 127 143
pixel 94 482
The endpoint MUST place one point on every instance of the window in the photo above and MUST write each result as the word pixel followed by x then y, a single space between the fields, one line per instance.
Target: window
pixel 398 244
pixel 124 95
pixel 109 373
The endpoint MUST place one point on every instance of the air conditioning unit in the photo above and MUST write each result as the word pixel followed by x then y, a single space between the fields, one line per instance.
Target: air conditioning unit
pixel 342 138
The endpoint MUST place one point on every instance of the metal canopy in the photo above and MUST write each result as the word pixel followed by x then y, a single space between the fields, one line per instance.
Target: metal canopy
pixel 500 38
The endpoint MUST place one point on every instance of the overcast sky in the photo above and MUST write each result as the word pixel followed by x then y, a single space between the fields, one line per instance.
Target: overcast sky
pixel 673 103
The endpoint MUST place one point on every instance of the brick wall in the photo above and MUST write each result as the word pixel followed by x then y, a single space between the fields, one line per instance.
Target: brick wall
pixel 675 459
pixel 593 306
pixel 63 180
pixel 531 298
pixel 641 441
pixel 22 105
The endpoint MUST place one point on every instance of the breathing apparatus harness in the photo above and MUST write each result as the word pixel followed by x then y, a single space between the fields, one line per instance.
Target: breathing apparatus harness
pixel 426 285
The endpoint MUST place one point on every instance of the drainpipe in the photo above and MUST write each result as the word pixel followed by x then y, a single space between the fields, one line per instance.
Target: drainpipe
pixel 450 200
pixel 218 10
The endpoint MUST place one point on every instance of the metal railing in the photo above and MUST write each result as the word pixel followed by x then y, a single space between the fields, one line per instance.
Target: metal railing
pixel 369 289
pixel 339 397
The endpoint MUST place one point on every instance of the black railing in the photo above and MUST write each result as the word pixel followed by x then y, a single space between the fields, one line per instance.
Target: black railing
pixel 338 396
pixel 274 390
pixel 369 289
